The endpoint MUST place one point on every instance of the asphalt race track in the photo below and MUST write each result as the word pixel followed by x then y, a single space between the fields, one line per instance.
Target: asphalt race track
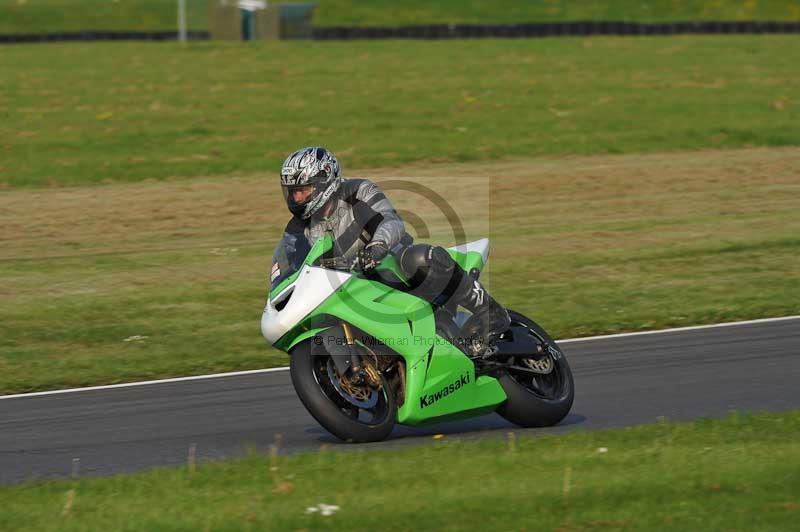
pixel 620 380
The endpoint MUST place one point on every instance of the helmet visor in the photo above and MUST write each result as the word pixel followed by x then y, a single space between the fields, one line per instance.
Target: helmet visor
pixel 298 194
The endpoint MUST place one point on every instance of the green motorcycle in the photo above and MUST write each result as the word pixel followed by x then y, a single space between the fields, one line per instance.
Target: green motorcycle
pixel 366 354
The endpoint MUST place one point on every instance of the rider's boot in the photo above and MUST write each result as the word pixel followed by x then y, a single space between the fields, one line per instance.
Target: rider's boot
pixel 488 321
pixel 438 279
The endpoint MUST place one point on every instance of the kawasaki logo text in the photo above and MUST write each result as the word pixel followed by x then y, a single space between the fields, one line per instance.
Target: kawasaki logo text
pixel 429 399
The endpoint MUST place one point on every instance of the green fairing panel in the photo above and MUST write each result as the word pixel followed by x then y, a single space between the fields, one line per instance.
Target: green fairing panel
pixel 468 260
pixel 445 387
pixel 405 324
pixel 288 342
pixel 390 264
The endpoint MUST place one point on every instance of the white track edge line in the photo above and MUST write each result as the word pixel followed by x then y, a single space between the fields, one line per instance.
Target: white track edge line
pixel 144 383
pixel 678 329
pixel 285 368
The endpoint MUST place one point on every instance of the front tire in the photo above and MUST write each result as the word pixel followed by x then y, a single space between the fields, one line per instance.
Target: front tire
pixel 353 418
pixel 537 400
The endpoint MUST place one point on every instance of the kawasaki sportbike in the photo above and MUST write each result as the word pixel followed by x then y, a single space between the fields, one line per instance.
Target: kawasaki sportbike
pixel 366 354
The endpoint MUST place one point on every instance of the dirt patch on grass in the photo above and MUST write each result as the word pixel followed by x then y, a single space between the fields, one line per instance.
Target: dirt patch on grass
pixel 544 195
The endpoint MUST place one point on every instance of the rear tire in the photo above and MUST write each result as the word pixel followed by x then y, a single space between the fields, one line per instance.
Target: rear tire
pixel 322 400
pixel 537 400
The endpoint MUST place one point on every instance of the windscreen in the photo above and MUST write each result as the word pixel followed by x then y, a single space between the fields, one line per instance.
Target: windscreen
pixel 288 257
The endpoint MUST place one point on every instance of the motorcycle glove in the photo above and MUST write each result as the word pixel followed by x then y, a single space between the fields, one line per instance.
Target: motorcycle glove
pixel 369 257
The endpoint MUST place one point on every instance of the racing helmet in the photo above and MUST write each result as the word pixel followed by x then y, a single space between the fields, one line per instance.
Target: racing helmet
pixel 309 177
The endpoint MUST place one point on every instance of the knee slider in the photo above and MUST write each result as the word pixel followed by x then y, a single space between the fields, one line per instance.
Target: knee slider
pixel 414 260
pixel 440 260
pixel 420 259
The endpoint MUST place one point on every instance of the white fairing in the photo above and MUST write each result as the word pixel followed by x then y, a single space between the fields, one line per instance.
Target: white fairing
pixel 481 246
pixel 312 287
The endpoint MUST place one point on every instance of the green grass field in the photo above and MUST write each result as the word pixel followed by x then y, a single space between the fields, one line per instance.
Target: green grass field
pixel 132 111
pixel 135 271
pixel 740 473
pixel 42 16
pixel 388 13
pixel 53 16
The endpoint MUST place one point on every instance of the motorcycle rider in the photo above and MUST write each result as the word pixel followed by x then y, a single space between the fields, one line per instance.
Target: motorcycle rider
pixel 366 228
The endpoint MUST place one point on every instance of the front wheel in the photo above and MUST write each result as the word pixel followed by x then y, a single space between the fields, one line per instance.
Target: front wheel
pixel 349 411
pixel 537 399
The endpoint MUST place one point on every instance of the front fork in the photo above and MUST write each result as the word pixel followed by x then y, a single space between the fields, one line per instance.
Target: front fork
pixel 353 361
pixel 345 353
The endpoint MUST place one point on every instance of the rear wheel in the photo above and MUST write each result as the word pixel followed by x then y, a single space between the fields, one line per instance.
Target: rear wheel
pixel 543 395
pixel 351 411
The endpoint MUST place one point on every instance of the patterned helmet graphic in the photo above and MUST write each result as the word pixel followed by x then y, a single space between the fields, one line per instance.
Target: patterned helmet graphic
pixel 315 169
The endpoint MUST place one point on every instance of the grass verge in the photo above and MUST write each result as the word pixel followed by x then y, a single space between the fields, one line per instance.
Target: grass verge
pixel 39 16
pixel 739 473
pixel 54 16
pixel 405 12
pixel 77 113
pixel 135 281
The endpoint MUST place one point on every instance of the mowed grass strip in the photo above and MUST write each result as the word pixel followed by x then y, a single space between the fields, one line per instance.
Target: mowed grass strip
pixel 136 281
pixel 41 16
pixel 739 473
pixel 83 113
pixel 406 12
